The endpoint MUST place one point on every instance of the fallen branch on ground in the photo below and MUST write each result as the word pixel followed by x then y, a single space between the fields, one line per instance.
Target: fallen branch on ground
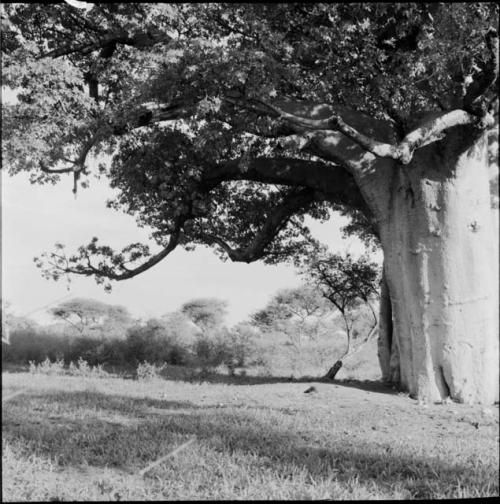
pixel 142 472
pixel 14 394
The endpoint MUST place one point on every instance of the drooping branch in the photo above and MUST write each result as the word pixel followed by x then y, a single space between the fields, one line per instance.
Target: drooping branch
pixel 317 181
pixel 78 164
pixel 112 266
pixel 273 224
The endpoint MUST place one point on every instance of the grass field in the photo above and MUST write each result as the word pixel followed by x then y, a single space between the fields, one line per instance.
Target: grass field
pixel 76 438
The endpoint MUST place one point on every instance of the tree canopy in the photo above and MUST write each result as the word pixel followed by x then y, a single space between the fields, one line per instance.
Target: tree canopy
pixel 85 313
pixel 206 313
pixel 227 124
pixel 299 304
pixel 348 284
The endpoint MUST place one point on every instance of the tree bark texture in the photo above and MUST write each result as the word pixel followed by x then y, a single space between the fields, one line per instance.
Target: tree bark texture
pixel 332 372
pixel 385 339
pixel 440 266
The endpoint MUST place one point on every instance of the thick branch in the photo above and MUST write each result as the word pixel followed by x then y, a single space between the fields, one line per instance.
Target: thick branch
pixel 429 132
pixel 332 181
pixel 273 224
pixel 153 113
pixel 51 171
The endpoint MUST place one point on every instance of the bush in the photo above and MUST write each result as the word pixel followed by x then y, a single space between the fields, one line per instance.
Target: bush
pixel 242 343
pixel 47 367
pixel 99 351
pixel 233 348
pixel 82 368
pixel 147 371
pixel 153 342
pixel 210 350
pixel 31 344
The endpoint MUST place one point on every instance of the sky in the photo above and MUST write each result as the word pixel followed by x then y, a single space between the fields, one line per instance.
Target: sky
pixel 35 217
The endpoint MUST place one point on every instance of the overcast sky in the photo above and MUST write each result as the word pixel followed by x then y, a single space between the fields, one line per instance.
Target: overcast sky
pixel 35 217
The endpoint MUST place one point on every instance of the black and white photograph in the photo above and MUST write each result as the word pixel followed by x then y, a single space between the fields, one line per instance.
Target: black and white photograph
pixel 249 251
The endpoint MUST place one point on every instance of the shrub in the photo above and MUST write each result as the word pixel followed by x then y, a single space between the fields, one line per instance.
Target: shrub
pixel 232 348
pixel 47 367
pixel 82 368
pixel 153 342
pixel 32 344
pixel 88 348
pixel 210 350
pixel 147 371
pixel 242 345
pixel 114 352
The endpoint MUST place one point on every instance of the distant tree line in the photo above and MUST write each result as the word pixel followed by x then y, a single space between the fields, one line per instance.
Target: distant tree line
pixel 336 299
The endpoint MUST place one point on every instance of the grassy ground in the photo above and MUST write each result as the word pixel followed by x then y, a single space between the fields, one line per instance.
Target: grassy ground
pixel 75 438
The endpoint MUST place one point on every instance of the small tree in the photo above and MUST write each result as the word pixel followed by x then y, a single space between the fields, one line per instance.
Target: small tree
pixel 206 313
pixel 296 312
pixel 299 314
pixel 83 314
pixel 348 284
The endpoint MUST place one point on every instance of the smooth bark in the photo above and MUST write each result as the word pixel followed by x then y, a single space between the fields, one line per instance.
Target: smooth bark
pixel 440 266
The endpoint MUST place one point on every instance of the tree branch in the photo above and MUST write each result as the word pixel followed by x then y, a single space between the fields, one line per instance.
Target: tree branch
pixel 45 169
pixel 62 264
pixel 78 165
pixel 431 131
pixel 332 181
pixel 474 99
pixel 273 224
pixel 108 44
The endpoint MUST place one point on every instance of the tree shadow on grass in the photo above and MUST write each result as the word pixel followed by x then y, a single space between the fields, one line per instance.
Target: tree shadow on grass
pixel 188 374
pixel 55 427
pixel 220 378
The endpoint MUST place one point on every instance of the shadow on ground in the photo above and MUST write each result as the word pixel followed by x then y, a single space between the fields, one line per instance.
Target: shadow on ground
pixel 181 374
pixel 99 430
pixel 193 375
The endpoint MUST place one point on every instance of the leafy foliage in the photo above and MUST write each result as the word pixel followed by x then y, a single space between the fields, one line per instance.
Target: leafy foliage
pixel 207 313
pixel 299 312
pixel 185 99
pixel 154 343
pixel 83 313
pixel 342 279
pixel 348 283
pixel 147 372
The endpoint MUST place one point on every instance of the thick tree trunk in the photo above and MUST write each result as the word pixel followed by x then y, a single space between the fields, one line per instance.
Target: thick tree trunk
pixel 440 265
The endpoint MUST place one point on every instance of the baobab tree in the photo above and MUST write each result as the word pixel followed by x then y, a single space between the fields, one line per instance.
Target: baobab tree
pixel 228 124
